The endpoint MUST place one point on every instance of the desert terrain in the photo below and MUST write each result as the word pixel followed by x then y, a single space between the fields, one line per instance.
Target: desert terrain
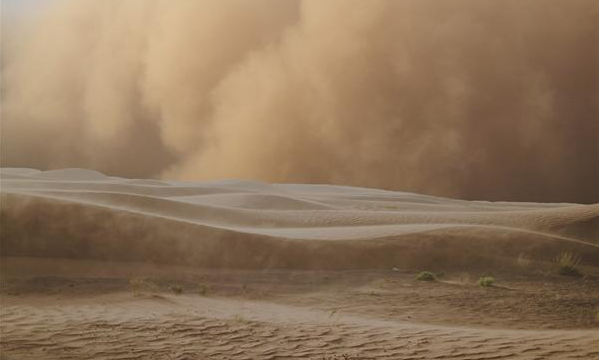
pixel 102 267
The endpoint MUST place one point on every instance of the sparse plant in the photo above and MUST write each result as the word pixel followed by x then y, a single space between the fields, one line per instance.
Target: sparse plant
pixel 388 207
pixel 425 276
pixel 486 281
pixel 240 318
pixel 523 260
pixel 176 289
pixel 567 263
pixel 381 283
pixel 202 289
pixel 139 285
pixel 465 278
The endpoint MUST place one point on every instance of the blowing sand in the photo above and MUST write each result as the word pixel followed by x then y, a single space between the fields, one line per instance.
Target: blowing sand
pixel 110 268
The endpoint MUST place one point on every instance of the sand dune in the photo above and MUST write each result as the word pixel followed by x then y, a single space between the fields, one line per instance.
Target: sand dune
pixel 82 213
pixel 85 214
pixel 281 271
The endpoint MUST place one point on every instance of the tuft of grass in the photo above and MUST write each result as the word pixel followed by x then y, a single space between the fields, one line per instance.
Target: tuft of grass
pixel 567 263
pixel 465 278
pixel 240 318
pixel 523 260
pixel 176 289
pixel 202 289
pixel 486 281
pixel 425 276
pixel 139 285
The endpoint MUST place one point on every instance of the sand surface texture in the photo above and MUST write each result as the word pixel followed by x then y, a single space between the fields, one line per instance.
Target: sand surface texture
pixel 102 267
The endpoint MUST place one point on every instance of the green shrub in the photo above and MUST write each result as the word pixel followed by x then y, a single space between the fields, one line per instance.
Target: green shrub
pixel 425 276
pixel 486 281
pixel 567 262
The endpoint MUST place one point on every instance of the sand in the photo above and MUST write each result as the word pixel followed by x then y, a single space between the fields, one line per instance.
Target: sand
pixel 101 267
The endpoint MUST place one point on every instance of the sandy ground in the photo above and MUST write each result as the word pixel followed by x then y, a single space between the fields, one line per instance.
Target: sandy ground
pixel 107 268
pixel 81 309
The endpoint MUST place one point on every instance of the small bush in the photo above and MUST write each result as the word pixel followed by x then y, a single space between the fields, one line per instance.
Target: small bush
pixel 486 281
pixel 566 263
pixel 425 276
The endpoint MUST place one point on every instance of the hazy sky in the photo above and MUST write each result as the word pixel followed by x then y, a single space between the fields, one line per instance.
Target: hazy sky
pixel 464 98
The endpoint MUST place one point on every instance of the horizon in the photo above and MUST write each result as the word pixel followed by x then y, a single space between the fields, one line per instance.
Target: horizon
pixel 242 180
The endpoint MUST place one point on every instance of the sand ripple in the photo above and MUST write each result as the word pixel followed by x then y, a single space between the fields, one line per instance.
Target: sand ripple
pixel 147 329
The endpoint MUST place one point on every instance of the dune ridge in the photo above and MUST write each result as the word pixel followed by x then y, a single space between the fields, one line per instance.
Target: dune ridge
pixel 82 213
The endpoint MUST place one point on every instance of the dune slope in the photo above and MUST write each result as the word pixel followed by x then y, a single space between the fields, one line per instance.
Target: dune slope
pixel 77 213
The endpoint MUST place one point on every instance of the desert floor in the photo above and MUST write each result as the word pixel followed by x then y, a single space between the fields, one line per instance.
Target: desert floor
pixel 97 267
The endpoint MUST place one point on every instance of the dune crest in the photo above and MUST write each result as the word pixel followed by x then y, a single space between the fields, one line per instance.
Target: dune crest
pixel 79 213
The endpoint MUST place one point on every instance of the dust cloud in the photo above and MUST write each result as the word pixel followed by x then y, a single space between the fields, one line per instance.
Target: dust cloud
pixel 465 98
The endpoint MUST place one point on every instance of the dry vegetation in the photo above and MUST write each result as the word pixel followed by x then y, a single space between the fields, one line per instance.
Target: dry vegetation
pixel 486 281
pixel 425 276
pixel 567 264
pixel 140 286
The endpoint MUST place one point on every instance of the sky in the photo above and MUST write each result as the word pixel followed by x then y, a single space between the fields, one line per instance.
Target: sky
pixel 494 100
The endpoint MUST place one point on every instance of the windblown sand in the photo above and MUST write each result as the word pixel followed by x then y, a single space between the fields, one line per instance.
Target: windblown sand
pixel 109 268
